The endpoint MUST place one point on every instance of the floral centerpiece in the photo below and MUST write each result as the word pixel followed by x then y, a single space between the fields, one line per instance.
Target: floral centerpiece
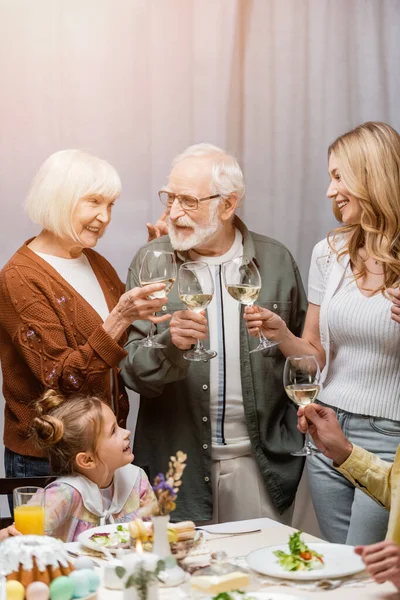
pixel 166 487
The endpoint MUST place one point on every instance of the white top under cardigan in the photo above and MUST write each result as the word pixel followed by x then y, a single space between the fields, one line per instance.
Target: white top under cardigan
pixel 358 332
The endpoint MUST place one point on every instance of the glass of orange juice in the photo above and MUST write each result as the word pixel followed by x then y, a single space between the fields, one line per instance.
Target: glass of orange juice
pixel 29 510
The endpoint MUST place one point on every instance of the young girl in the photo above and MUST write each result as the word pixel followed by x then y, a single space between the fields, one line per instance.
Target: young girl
pixel 92 454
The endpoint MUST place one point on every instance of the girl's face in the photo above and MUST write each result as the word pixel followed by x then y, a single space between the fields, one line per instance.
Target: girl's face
pixel 113 448
pixel 348 206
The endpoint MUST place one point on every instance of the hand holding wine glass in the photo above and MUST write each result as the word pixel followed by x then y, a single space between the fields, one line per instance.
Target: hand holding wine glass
pixel 196 290
pixel 157 267
pixel 301 377
pixel 242 280
pixel 268 322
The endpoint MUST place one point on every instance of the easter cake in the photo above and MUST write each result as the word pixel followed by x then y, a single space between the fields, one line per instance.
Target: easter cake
pixel 29 558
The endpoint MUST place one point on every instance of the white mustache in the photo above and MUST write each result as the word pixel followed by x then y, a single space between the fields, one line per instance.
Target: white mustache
pixel 182 222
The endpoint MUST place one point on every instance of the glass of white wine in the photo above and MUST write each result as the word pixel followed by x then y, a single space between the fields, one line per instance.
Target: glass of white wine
pixel 196 290
pixel 157 267
pixel 242 280
pixel 301 377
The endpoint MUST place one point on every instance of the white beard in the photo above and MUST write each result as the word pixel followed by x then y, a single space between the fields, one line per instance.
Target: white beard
pixel 201 233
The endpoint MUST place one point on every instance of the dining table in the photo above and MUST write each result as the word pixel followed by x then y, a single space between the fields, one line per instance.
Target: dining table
pixel 241 538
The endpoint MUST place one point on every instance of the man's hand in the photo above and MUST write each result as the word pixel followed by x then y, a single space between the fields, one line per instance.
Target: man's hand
pixel 160 228
pixel 382 561
pixel 394 294
pixel 324 428
pixel 8 532
pixel 186 327
pixel 261 319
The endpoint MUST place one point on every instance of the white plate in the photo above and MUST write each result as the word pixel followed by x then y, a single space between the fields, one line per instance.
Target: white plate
pixel 84 537
pixel 340 561
pixel 238 527
pixel 270 596
pixel 273 596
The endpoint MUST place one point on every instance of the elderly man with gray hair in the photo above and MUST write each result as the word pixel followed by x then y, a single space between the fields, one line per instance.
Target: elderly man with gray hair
pixel 230 414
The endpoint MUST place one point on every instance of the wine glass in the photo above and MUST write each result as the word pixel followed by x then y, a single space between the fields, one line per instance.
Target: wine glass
pixel 157 267
pixel 301 377
pixel 196 290
pixel 242 280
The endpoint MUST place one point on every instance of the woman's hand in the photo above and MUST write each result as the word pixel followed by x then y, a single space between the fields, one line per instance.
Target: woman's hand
pixel 394 294
pixel 382 561
pixel 160 228
pixel 260 319
pixel 323 426
pixel 8 532
pixel 134 305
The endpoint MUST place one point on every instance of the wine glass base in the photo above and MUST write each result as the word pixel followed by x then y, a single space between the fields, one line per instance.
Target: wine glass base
pixel 264 346
pixel 150 343
pixel 199 355
pixel 307 451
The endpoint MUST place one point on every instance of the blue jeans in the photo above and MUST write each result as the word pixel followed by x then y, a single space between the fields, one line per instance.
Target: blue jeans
pixel 17 465
pixel 345 514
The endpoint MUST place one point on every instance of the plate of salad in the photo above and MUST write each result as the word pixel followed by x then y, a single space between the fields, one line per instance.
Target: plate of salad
pixel 106 537
pixel 311 561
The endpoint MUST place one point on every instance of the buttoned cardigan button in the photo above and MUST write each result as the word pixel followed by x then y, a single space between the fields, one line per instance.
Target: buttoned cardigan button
pixel 205 386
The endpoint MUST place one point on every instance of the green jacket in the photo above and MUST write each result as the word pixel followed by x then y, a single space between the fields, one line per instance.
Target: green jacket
pixel 175 396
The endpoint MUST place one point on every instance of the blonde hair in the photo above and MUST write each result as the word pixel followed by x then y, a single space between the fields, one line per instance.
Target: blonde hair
pixel 65 427
pixel 64 178
pixel 226 174
pixel 369 166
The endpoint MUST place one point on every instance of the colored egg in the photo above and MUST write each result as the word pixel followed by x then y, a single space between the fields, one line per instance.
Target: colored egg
pixel 15 590
pixel 61 588
pixel 81 585
pixel 83 562
pixel 37 591
pixel 93 579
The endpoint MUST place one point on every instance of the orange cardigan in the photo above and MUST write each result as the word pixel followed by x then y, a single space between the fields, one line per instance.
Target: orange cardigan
pixel 50 337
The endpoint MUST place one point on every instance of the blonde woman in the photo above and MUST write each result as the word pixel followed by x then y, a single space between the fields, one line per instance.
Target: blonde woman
pixel 63 310
pixel 352 324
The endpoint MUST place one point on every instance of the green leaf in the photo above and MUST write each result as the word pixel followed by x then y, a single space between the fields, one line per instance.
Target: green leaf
pixel 130 582
pixel 120 571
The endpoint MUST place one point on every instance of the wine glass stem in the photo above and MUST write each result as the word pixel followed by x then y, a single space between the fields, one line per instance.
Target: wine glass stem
pixel 199 346
pixel 308 441
pixel 150 334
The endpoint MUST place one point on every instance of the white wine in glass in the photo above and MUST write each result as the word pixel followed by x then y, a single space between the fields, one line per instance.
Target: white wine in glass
pixel 242 280
pixel 161 293
pixel 157 267
pixel 196 290
pixel 301 377
pixel 302 394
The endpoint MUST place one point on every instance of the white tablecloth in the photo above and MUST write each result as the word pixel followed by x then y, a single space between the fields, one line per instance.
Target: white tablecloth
pixel 272 533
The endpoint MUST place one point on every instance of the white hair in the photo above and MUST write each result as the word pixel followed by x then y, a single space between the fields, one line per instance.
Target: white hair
pixel 64 178
pixel 226 174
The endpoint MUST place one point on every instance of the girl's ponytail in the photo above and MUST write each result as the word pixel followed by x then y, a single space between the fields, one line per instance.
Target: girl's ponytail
pixel 48 429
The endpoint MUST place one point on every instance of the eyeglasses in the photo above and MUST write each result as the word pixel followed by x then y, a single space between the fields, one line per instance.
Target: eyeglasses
pixel 186 202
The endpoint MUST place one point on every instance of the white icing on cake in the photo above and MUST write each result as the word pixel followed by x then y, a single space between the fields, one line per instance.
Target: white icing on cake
pixel 20 550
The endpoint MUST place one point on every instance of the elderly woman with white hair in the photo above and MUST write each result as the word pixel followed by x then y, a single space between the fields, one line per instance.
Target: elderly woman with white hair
pixel 63 310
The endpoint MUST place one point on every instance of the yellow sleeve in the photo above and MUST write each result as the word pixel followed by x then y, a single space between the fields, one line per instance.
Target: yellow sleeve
pixel 370 474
